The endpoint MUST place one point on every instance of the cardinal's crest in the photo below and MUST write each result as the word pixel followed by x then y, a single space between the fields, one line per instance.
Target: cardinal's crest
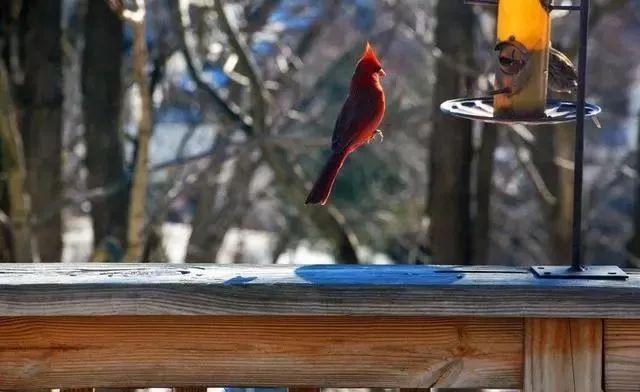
pixel 370 54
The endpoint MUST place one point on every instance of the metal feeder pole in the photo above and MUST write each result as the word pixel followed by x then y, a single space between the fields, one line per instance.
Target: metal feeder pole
pixel 576 259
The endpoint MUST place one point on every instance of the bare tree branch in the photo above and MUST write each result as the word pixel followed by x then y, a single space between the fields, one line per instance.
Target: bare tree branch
pixel 138 198
pixel 231 111
pixel 285 141
pixel 132 16
pixel 257 18
pixel 248 64
pixel 524 158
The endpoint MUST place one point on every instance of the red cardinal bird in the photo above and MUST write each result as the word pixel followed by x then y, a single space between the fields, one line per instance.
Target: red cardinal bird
pixel 357 123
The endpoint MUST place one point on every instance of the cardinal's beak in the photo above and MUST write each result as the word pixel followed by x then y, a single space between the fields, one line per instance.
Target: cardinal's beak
pixel 382 73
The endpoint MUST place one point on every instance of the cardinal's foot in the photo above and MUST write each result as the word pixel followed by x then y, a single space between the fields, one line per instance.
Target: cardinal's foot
pixel 378 133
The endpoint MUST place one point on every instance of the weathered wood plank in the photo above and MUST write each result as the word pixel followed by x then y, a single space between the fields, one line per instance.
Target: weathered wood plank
pixel 622 355
pixel 128 351
pixel 587 342
pixel 563 355
pixel 68 290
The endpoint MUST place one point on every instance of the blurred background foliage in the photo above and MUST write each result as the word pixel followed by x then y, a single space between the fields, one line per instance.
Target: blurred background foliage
pixel 242 99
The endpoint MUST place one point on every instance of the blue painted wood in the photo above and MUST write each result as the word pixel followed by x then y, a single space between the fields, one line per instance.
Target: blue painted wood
pixel 148 289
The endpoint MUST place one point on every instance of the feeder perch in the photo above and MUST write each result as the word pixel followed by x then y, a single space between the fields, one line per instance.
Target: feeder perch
pixel 482 109
pixel 520 96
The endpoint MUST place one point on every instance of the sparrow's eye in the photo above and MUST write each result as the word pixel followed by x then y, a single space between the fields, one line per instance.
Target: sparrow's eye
pixel 511 60
pixel 505 61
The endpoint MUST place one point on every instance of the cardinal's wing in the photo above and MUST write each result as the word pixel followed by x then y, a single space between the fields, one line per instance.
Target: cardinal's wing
pixel 357 114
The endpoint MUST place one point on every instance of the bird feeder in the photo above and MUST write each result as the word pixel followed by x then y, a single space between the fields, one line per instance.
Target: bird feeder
pixel 522 69
pixel 524 31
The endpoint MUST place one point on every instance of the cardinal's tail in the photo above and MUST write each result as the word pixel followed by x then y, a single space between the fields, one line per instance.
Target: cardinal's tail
pixel 324 184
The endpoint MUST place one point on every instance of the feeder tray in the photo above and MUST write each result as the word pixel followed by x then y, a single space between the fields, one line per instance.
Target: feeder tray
pixel 481 109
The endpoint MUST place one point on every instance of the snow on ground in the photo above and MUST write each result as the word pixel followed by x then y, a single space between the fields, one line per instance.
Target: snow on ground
pixel 175 240
pixel 255 247
pixel 77 239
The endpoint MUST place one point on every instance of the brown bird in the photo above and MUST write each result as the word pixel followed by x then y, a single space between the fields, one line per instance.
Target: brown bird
pixel 563 76
pixel 356 124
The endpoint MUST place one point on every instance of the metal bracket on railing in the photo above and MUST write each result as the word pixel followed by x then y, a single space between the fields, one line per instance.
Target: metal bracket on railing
pixel 586 272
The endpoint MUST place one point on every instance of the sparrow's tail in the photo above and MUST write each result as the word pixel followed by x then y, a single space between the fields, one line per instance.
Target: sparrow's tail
pixel 324 184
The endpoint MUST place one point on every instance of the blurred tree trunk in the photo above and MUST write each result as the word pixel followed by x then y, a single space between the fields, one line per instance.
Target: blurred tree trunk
pixel 563 210
pixel 214 218
pixel 553 156
pixel 484 186
pixel 102 103
pixel 451 150
pixel 136 18
pixel 634 243
pixel 5 30
pixel 206 234
pixel 17 241
pixel 9 25
pixel 543 155
pixel 42 120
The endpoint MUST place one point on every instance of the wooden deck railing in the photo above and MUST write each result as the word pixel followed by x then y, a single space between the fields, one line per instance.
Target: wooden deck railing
pixel 79 326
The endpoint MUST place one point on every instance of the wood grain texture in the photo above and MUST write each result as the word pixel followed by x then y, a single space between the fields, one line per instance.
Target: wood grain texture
pixel 563 355
pixel 98 290
pixel 622 355
pixel 128 351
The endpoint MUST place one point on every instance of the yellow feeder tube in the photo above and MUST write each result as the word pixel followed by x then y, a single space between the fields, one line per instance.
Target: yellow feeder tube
pixel 526 24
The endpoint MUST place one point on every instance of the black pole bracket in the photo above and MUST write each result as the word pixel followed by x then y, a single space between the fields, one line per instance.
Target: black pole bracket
pixel 586 272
